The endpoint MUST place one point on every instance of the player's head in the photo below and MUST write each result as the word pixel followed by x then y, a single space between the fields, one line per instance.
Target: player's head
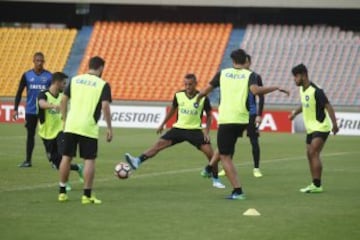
pixel 300 74
pixel 190 83
pixel 238 56
pixel 38 60
pixel 248 61
pixel 59 80
pixel 97 64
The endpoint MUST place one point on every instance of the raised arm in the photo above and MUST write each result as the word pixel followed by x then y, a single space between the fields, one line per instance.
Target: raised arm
pixel 258 90
pixel 204 92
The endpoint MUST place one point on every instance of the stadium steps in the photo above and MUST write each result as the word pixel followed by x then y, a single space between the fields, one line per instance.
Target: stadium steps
pixel 77 51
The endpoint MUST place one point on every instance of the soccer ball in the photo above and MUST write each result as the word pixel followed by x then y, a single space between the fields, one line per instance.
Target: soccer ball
pixel 122 170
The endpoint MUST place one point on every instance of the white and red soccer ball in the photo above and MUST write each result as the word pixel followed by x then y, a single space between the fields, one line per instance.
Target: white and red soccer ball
pixel 122 170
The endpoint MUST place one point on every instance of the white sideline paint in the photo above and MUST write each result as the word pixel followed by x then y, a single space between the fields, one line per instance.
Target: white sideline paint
pixel 172 172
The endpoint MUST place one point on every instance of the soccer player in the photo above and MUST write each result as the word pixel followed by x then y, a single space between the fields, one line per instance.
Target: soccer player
pixel 254 122
pixel 319 119
pixel 187 127
pixel 87 95
pixel 34 81
pixel 51 124
pixel 235 84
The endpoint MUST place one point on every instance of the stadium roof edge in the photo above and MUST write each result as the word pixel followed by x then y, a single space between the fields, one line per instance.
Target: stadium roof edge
pixel 324 4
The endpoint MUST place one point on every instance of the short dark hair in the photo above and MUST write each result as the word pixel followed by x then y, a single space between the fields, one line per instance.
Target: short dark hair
pixel 248 57
pixel 96 62
pixel 238 56
pixel 299 69
pixel 39 54
pixel 191 76
pixel 58 76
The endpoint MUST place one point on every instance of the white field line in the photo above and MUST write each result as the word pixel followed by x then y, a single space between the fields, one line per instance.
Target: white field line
pixel 6 138
pixel 171 172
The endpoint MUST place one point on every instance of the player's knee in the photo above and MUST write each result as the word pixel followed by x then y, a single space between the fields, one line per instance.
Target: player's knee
pixel 312 152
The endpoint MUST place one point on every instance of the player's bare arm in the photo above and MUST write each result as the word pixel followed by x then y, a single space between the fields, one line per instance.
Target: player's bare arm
pixel 167 117
pixel 295 112
pixel 43 104
pixel 63 107
pixel 105 105
pixel 204 92
pixel 258 90
pixel 332 116
pixel 208 126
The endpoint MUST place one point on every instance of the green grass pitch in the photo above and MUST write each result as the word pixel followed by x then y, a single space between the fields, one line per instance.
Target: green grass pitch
pixel 167 199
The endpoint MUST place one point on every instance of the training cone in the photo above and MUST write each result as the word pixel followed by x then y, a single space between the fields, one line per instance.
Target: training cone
pixel 251 212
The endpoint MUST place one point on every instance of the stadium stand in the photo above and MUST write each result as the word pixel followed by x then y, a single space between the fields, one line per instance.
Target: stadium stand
pixel 18 45
pixel 332 57
pixel 147 61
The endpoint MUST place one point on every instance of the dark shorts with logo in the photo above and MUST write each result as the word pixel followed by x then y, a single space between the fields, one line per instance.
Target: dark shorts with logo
pixel 87 146
pixel 313 135
pixel 252 130
pixel 227 137
pixel 194 136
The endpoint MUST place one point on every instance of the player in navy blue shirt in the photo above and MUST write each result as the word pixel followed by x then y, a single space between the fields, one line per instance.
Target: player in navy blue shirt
pixel 35 80
pixel 254 122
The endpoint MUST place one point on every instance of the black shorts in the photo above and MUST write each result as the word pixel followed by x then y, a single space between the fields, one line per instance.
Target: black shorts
pixel 31 121
pixel 227 137
pixel 87 146
pixel 311 136
pixel 193 136
pixel 252 130
pixel 54 149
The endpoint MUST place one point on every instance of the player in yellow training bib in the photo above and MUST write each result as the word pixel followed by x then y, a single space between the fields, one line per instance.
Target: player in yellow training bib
pixel 319 119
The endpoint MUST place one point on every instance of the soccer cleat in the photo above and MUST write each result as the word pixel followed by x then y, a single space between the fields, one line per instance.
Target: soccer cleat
pixel 222 173
pixel 217 183
pixel 257 173
pixel 25 164
pixel 81 172
pixel 205 173
pixel 90 200
pixel 68 187
pixel 311 189
pixel 132 161
pixel 236 196
pixel 63 197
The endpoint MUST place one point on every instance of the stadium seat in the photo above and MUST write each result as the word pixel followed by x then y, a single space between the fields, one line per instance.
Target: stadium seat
pixel 331 55
pixel 152 58
pixel 17 46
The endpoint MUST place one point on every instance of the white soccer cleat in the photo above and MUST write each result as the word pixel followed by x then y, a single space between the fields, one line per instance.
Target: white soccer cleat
pixel 132 161
pixel 217 183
